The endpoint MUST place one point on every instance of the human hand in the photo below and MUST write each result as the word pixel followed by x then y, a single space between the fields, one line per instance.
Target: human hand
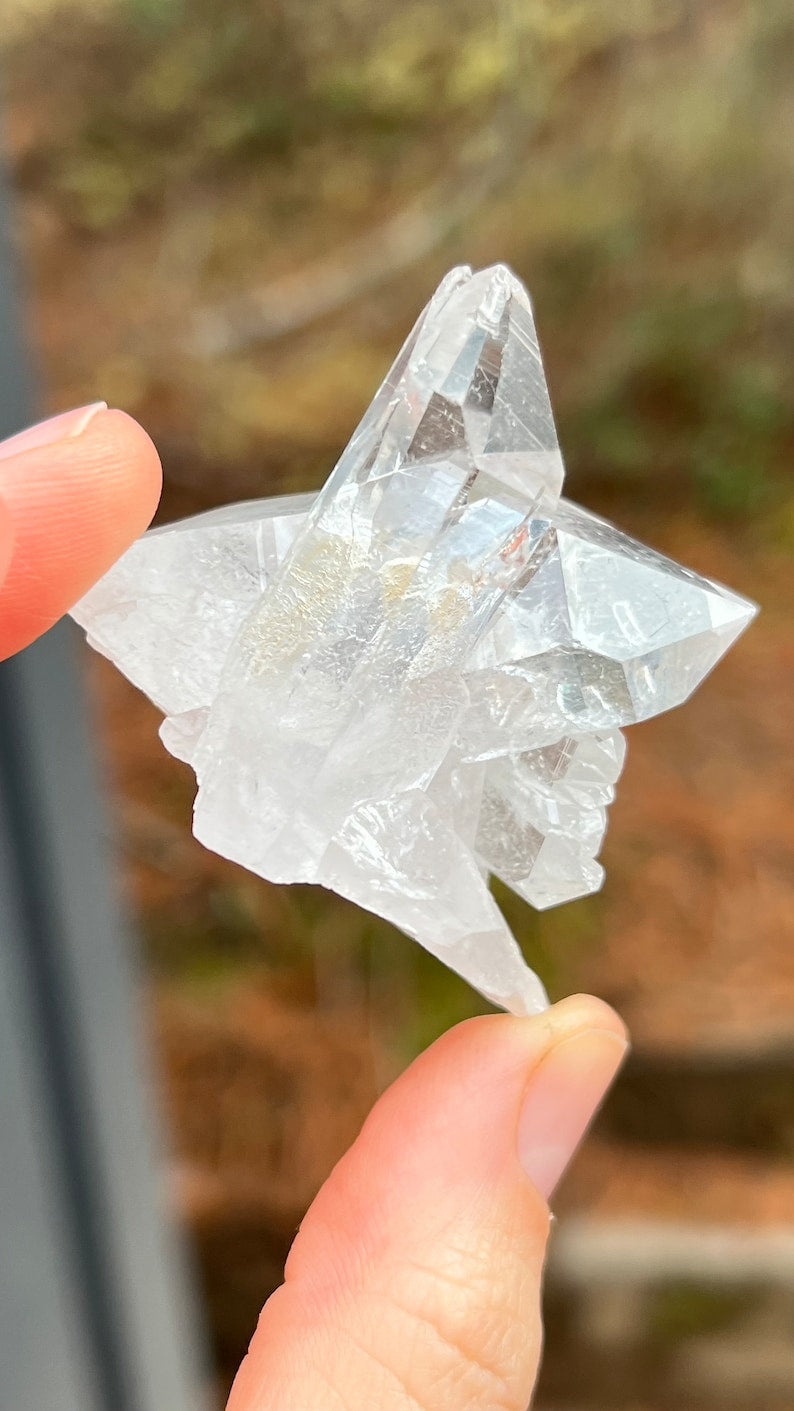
pixel 414 1282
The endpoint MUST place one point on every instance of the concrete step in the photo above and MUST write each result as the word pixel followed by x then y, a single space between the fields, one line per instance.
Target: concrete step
pixel 669 1314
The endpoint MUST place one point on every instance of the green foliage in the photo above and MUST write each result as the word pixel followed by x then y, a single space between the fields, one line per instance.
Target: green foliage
pixel 736 454
pixel 158 15
pixel 689 1310
pixel 691 405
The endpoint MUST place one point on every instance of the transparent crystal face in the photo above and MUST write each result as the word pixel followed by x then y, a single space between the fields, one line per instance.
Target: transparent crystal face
pixel 418 677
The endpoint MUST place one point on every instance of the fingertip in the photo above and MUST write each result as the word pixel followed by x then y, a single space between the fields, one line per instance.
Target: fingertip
pixel 124 455
pixel 75 504
pixel 481 1043
pixel 582 1011
pixel 448 1125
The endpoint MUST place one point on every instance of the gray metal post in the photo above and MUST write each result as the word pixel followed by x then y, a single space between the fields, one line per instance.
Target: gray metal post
pixel 95 1308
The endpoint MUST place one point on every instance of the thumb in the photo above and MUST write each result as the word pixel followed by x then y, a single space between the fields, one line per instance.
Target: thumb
pixel 414 1283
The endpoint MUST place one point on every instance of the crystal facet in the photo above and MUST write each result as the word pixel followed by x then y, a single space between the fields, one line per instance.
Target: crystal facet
pixel 418 677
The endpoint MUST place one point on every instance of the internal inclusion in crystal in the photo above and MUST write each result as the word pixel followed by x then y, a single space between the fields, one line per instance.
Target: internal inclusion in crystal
pixel 418 677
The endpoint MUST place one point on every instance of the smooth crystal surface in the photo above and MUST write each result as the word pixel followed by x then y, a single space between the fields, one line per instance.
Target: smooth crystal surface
pixel 418 677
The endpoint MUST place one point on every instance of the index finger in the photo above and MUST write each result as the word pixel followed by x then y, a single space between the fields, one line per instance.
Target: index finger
pixel 74 493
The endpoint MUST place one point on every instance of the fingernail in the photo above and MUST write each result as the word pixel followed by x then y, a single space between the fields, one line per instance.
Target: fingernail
pixel 47 433
pixel 562 1098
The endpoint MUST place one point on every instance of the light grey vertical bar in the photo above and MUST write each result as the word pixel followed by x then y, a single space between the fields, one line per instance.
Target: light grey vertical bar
pixel 45 1360
pixel 95 1308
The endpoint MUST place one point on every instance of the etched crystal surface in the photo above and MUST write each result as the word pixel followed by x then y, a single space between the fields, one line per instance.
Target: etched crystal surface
pixel 418 677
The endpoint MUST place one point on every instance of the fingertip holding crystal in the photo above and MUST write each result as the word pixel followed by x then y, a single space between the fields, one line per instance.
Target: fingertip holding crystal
pixel 418 677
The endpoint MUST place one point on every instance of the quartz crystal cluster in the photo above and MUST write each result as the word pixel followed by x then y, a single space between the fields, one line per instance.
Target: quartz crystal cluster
pixel 418 677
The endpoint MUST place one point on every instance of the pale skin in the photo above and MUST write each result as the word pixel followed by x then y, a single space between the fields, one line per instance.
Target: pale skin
pixel 414 1282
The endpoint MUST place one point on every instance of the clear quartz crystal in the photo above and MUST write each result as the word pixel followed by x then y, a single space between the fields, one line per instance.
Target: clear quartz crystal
pixel 418 677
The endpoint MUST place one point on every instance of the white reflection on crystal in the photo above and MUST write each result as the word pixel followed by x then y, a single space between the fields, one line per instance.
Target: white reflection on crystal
pixel 418 677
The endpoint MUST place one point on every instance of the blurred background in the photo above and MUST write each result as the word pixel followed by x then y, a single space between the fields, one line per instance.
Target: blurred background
pixel 231 214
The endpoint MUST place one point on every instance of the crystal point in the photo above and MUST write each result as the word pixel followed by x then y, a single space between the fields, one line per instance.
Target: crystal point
pixel 418 677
